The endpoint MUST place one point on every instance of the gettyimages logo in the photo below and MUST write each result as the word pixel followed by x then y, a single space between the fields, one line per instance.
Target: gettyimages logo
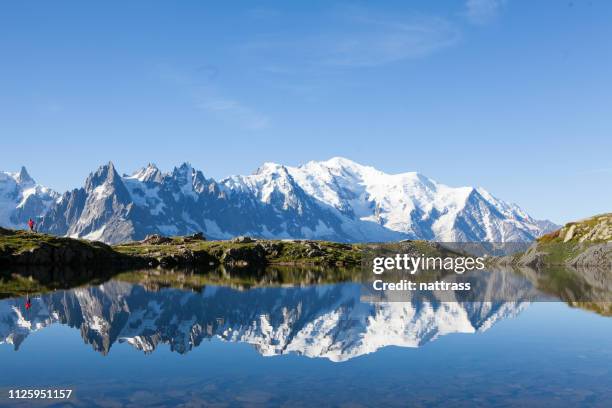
pixel 412 264
pixel 447 272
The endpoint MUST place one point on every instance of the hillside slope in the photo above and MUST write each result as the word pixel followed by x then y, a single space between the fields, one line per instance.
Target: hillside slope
pixel 584 243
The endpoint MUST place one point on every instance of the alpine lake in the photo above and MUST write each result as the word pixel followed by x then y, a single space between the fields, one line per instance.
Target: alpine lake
pixel 301 337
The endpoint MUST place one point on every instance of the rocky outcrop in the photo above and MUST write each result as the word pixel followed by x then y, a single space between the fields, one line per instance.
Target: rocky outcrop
pixel 156 239
pixel 245 256
pixel 594 255
pixel 30 249
pixel 582 244
pixel 597 229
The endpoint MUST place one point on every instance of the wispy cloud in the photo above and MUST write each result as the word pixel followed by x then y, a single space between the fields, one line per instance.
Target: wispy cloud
pixel 354 38
pixel 199 86
pixel 483 11
pixel 382 42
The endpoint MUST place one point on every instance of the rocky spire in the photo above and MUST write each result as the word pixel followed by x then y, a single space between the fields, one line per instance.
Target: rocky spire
pixel 107 175
pixel 24 177
pixel 148 173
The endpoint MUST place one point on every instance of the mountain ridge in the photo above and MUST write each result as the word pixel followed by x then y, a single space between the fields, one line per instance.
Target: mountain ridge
pixel 337 200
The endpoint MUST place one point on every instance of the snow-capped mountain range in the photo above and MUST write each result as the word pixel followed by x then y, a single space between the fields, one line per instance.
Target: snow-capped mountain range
pixel 328 321
pixel 336 199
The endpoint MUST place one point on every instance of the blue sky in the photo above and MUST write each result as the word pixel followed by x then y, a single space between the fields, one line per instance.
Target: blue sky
pixel 514 96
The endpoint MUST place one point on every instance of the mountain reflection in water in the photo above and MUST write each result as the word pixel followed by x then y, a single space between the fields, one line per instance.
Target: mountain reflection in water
pixel 336 321
pixel 331 321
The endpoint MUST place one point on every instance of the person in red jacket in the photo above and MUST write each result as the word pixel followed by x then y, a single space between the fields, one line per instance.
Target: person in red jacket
pixel 28 304
pixel 31 224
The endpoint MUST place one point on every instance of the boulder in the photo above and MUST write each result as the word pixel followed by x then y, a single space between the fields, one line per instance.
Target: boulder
pixel 313 253
pixel 156 239
pixel 198 236
pixel 312 245
pixel 245 256
pixel 243 239
pixel 273 249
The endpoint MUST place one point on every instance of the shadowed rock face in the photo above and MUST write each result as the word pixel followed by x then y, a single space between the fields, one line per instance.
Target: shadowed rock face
pixel 336 200
pixel 328 321
pixel 116 209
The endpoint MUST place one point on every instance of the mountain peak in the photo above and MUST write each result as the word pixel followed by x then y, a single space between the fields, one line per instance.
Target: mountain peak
pixel 24 177
pixel 270 167
pixel 109 167
pixel 184 170
pixel 106 174
pixel 341 161
pixel 148 173
pixel 110 171
pixel 342 166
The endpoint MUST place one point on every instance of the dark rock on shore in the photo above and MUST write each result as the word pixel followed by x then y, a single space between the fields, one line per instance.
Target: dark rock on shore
pixel 156 239
pixel 31 249
pixel 245 256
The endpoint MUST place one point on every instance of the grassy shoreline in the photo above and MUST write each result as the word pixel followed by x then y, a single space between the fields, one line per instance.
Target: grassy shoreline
pixel 21 248
pixel 585 243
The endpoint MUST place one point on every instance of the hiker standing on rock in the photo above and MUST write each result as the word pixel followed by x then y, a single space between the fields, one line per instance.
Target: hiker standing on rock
pixel 31 225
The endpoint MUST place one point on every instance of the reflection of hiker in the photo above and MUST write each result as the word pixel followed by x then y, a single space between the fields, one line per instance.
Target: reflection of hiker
pixel 28 304
pixel 31 225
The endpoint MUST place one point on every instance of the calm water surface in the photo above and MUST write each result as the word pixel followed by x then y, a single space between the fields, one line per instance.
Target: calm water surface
pixel 125 344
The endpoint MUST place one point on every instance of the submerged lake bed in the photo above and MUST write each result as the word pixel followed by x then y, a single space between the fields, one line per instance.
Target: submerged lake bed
pixel 130 343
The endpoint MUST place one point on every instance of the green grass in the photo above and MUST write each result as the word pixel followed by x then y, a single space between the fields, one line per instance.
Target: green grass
pixel 559 253
pixel 287 252
pixel 20 241
pixel 16 242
